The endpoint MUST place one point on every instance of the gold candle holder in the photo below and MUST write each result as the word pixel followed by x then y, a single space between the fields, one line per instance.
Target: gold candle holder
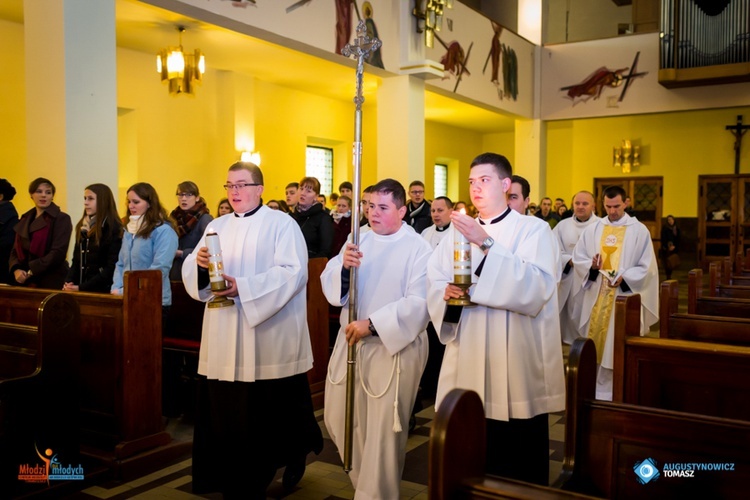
pixel 461 268
pixel 215 271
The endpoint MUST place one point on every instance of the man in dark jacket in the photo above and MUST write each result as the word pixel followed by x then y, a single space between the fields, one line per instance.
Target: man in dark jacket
pixel 418 209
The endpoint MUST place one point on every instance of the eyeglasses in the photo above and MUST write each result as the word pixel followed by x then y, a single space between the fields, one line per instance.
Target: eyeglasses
pixel 185 195
pixel 416 192
pixel 230 187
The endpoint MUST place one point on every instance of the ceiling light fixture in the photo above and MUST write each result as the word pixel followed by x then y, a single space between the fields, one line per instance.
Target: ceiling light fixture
pixel 181 70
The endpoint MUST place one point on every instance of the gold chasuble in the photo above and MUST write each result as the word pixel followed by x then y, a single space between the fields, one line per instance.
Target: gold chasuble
pixel 611 248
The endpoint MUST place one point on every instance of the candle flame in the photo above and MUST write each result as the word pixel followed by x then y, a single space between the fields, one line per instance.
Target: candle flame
pixel 463 211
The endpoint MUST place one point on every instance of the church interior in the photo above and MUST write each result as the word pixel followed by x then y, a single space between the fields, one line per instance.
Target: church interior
pixel 585 100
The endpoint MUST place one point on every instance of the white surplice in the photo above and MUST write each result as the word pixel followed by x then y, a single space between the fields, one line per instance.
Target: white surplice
pixel 265 334
pixel 637 266
pixel 391 293
pixel 507 346
pixel 433 236
pixel 567 232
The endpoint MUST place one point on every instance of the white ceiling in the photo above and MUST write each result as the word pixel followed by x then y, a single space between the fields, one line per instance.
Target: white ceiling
pixel 145 28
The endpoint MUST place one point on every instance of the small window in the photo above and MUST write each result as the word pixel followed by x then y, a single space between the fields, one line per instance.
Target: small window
pixel 441 180
pixel 319 164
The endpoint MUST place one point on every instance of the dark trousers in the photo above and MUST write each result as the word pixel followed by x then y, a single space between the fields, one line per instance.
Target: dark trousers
pixel 519 449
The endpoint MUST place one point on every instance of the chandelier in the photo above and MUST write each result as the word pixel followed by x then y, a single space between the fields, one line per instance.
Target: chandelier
pixel 429 14
pixel 181 70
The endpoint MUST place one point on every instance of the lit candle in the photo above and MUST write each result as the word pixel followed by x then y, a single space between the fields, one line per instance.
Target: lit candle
pixel 215 262
pixel 461 257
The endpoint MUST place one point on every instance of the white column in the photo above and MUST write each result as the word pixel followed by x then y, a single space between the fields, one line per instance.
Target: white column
pixel 401 129
pixel 71 95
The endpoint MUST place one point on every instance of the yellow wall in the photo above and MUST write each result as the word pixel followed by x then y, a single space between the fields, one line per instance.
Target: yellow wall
pixel 455 147
pixel 677 146
pixel 13 115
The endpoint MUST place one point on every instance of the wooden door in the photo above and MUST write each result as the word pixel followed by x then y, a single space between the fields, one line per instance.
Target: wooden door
pixel 743 216
pixel 645 199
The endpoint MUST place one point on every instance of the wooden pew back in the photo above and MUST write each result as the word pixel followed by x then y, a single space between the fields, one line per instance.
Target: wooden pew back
pixel 698 303
pixel 610 438
pixel 120 360
pixel 697 377
pixel 717 289
pixel 729 277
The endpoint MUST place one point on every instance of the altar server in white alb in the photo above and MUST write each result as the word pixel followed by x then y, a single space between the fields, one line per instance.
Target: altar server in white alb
pixel 507 346
pixel 254 406
pixel 613 257
pixel 567 232
pixel 390 337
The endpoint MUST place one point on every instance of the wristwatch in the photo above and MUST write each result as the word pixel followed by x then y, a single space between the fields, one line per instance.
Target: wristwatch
pixel 371 327
pixel 487 244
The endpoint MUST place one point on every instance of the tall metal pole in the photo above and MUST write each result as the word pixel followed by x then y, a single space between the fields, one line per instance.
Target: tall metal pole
pixel 361 48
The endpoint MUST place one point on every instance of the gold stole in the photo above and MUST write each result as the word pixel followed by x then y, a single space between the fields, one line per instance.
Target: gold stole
pixel 611 249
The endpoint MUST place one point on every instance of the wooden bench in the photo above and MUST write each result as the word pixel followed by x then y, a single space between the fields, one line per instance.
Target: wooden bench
pixel 317 323
pixel 39 389
pixel 708 326
pixel 120 405
pixel 603 442
pixel 681 375
pixel 729 277
pixel 698 303
pixel 717 289
pixel 742 263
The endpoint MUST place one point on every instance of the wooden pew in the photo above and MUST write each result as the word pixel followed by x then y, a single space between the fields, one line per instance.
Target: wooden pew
pixel 696 377
pixel 742 263
pixel 39 389
pixel 708 327
pixel 698 303
pixel 457 455
pixel 728 277
pixel 604 441
pixel 317 323
pixel 717 289
pixel 120 405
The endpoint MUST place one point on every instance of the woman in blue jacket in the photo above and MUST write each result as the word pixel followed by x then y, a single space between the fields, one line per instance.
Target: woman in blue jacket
pixel 149 242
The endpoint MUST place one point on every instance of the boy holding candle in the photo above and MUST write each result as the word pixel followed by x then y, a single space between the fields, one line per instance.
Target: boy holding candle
pixel 254 404
pixel 506 346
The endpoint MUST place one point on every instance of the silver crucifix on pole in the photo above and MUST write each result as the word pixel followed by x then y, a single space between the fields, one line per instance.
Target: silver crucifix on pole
pixel 361 48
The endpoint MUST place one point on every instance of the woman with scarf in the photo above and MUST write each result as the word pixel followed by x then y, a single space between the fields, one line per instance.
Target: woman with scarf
pixel 98 241
pixel 38 257
pixel 191 218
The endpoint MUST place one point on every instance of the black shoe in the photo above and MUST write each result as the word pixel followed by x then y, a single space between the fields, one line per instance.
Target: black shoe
pixel 293 473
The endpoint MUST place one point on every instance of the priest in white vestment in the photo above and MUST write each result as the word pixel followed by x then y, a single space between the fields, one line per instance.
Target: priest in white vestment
pixel 567 232
pixel 440 211
pixel 507 346
pixel 613 257
pixel 254 404
pixel 390 339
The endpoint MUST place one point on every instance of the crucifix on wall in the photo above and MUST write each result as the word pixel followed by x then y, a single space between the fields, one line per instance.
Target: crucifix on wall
pixel 737 131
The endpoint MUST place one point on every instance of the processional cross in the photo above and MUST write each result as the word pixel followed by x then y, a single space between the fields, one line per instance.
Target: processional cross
pixel 361 47
pixel 738 131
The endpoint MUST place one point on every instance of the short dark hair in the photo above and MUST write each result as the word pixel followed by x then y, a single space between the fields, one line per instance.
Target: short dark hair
pixel 7 190
pixel 294 185
pixel 38 182
pixel 254 170
pixel 416 183
pixel 324 197
pixel 612 192
pixel 501 164
pixel 448 202
pixel 346 185
pixel 525 186
pixel 560 200
pixel 394 188
pixel 368 189
pixel 346 199
pixel 188 187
